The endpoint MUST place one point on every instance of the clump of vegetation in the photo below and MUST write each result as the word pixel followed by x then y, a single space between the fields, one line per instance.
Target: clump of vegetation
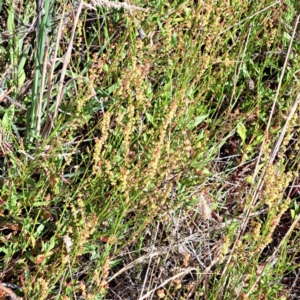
pixel 149 151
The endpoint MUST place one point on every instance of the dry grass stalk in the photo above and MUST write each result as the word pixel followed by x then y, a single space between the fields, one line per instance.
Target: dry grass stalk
pixel 137 261
pixel 272 258
pixel 186 271
pixel 261 182
pixel 51 75
pixel 112 4
pixel 204 207
pixel 66 62
pixel 9 292
pixel 275 102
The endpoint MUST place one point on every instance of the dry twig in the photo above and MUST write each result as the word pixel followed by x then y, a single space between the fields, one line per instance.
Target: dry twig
pixel 9 292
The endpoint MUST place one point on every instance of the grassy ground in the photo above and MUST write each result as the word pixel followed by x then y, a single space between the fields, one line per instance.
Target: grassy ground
pixel 149 152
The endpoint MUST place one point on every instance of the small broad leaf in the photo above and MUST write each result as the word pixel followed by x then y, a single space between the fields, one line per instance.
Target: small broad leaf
pixel 105 68
pixel 39 230
pixel 150 118
pixel 174 40
pixel 196 121
pixel 8 118
pixel 249 179
pixel 245 71
pixel 113 87
pixel 241 130
pixel 293 214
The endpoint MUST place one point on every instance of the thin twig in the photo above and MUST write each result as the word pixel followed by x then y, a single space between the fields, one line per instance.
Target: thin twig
pixel 261 180
pixel 40 99
pixel 236 76
pixel 272 258
pixel 250 17
pixel 276 97
pixel 9 292
pixel 113 4
pixel 48 122
pixel 188 270
pixel 64 69
pixel 137 261
pixel 284 129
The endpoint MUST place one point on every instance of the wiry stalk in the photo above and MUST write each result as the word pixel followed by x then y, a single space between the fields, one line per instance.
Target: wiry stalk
pixel 44 10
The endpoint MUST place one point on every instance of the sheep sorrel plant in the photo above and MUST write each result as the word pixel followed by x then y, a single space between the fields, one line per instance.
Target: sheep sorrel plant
pixel 149 150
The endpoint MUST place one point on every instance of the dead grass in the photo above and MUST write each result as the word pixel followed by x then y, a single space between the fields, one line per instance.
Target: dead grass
pixel 149 151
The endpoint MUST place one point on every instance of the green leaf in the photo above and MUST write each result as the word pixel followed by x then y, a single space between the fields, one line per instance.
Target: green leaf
pixel 206 172
pixel 245 71
pixel 113 87
pixel 114 263
pixel 150 118
pixel 4 250
pixel 174 40
pixel 249 179
pixel 40 203
pixel 105 68
pixel 286 36
pixel 196 121
pixel 293 214
pixel 241 130
pixel 39 230
pixel 7 119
